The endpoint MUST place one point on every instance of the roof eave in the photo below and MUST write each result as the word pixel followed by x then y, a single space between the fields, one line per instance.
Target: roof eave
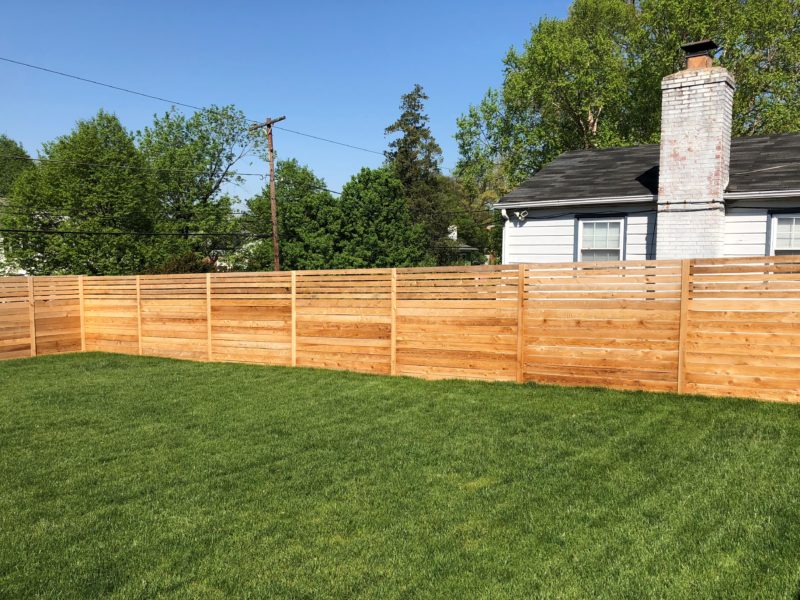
pixel 761 195
pixel 574 201
pixel 765 195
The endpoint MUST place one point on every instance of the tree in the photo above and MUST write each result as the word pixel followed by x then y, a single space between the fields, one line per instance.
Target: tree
pixel 14 161
pixel 309 221
pixel 760 42
pixel 593 80
pixel 192 160
pixel 378 227
pixel 415 156
pixel 434 200
pixel 475 224
pixel 88 202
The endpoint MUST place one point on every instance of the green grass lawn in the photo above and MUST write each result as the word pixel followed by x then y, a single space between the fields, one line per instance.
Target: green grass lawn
pixel 129 477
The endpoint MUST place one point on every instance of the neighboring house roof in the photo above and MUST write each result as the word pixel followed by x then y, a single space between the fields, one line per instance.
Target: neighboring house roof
pixel 758 165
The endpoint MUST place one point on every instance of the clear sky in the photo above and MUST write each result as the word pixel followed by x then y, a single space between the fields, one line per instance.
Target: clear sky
pixel 335 69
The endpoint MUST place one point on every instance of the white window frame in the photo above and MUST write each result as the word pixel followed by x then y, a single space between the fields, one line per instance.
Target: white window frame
pixel 773 235
pixel 623 234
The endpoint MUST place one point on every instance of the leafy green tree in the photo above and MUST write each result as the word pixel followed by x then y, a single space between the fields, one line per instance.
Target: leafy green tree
pixel 189 262
pixel 192 160
pixel 13 162
pixel 309 221
pixel 378 228
pixel 760 42
pixel 92 181
pixel 475 224
pixel 593 80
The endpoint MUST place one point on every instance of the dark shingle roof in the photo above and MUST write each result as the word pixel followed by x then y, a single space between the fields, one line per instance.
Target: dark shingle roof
pixel 758 164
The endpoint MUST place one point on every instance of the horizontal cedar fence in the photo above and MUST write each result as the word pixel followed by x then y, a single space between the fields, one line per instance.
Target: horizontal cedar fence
pixel 708 326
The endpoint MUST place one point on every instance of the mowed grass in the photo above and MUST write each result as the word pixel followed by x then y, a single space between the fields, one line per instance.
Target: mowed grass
pixel 129 477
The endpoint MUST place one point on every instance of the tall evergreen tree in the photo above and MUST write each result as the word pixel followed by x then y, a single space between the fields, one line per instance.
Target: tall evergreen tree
pixel 415 156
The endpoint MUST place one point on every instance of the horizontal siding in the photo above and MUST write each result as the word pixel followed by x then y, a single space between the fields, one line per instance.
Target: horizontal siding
pixel 746 232
pixel 548 235
pixel 640 238
pixel 540 239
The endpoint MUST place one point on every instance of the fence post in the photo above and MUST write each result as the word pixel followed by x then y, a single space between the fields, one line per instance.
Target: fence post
pixel 394 324
pixel 139 314
pixel 686 265
pixel 521 324
pixel 32 315
pixel 208 313
pixel 83 320
pixel 294 318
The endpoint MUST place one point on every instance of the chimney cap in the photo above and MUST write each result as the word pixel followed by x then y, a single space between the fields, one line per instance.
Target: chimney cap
pixel 701 48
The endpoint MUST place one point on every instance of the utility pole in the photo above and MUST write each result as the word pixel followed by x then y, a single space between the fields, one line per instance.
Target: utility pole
pixel 273 206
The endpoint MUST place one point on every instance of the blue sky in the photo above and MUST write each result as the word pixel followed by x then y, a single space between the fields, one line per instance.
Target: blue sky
pixel 335 69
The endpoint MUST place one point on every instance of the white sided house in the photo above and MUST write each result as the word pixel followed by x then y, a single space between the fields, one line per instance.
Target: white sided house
pixel 698 194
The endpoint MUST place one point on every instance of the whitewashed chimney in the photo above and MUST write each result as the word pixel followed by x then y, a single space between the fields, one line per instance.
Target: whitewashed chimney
pixel 696 114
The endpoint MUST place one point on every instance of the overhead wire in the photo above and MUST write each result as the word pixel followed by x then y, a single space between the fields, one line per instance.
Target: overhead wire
pixel 138 167
pixel 134 233
pixel 193 107
pixel 73 211
pixel 175 102
pixel 185 105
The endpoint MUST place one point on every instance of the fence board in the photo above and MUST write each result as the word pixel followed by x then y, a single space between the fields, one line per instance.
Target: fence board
pixel 173 315
pixel 449 321
pixel 712 326
pixel 16 318
pixel 111 314
pixel 57 314
pixel 251 317
pixel 576 335
pixel 353 311
pixel 736 342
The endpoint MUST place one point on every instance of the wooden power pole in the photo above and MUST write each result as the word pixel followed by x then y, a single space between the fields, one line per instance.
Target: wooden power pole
pixel 272 203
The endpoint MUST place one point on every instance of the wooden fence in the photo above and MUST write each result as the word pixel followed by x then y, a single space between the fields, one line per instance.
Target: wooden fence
pixel 710 326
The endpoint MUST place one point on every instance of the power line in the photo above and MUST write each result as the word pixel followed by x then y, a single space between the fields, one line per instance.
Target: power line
pixel 47 212
pixel 100 83
pixel 135 233
pixel 138 167
pixel 173 102
pixel 322 139
pixel 115 165
pixel 53 211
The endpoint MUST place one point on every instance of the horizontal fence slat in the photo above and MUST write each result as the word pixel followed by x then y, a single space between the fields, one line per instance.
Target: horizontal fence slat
pixel 613 324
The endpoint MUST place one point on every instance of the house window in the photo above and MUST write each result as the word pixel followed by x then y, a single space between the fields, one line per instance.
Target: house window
pixel 787 234
pixel 600 240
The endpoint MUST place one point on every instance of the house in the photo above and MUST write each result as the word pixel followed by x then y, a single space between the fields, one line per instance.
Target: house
pixel 698 194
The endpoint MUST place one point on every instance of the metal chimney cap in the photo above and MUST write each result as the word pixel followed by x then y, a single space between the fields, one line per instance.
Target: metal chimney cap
pixel 703 47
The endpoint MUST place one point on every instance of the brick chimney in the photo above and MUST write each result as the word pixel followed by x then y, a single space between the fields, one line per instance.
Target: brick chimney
pixel 696 113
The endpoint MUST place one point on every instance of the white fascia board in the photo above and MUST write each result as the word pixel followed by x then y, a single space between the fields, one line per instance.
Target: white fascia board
pixel 576 202
pixel 761 195
pixel 766 195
